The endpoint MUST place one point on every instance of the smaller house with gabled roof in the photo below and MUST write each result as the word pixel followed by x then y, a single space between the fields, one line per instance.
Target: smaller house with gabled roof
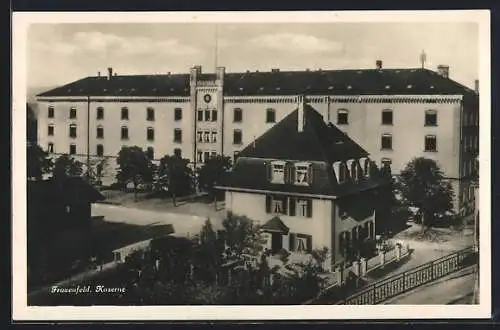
pixel 308 186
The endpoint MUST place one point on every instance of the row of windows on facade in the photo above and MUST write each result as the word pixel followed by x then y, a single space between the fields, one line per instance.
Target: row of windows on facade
pixel 387 117
pixel 211 115
pixel 301 173
pixel 150 133
pixel 100 150
pixel 430 142
pixel 150 113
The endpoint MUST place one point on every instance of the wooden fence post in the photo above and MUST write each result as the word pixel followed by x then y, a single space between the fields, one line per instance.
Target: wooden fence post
pixel 364 266
pixel 398 251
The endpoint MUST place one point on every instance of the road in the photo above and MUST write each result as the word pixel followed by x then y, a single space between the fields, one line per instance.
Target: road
pixel 184 224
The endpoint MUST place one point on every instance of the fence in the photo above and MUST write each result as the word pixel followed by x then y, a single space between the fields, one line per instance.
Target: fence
pixel 409 280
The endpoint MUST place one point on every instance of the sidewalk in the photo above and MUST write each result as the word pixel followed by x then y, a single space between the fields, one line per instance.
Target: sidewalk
pixel 447 290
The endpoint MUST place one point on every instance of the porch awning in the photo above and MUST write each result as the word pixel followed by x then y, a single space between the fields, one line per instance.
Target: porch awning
pixel 275 225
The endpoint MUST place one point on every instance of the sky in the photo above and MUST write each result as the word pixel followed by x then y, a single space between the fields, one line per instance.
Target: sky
pixel 61 53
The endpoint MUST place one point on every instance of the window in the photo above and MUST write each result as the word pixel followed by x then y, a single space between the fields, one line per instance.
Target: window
pixel 150 152
pixel 237 115
pixel 302 174
pixel 276 204
pixel 177 114
pixel 213 154
pixel 72 149
pixel 50 131
pixel 278 172
pixel 199 136
pixel 150 134
pixel 206 136
pixel 270 115
pixel 342 175
pixel 100 113
pixel 199 156
pixel 72 113
pixel 386 141
pixel 214 115
pixel 178 152
pixel 342 117
pixel 178 135
pixel 50 113
pixel 124 114
pixel 150 114
pixel 430 143
pixel 300 242
pixel 124 133
pixel 235 156
pixel 207 115
pixel 387 117
pixel 304 208
pixel 50 147
pixel 100 150
pixel 237 136
pixel 213 137
pixel 200 115
pixel 430 118
pixel 206 155
pixel 72 131
pixel 100 132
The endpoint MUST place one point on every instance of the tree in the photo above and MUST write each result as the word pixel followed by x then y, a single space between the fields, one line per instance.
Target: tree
pixel 97 170
pixel 66 166
pixel 38 161
pixel 208 253
pixel 214 171
pixel 174 176
pixel 422 185
pixel 243 240
pixel 134 166
pixel 387 200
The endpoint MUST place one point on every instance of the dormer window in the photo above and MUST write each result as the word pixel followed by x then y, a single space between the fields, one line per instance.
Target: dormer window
pixel 302 174
pixel 278 172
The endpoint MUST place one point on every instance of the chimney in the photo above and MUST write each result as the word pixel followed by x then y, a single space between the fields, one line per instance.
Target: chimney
pixel 110 73
pixel 476 86
pixel 378 64
pixel 301 120
pixel 443 71
pixel 275 70
pixel 98 73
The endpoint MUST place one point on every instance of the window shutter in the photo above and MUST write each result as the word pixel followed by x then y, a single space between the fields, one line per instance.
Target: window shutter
pixel 309 243
pixel 268 204
pixel 293 206
pixel 286 174
pixel 309 208
pixel 290 171
pixel 285 204
pixel 269 169
pixel 310 174
pixel 292 242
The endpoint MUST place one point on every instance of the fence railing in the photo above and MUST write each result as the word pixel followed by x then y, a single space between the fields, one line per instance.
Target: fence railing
pixel 411 279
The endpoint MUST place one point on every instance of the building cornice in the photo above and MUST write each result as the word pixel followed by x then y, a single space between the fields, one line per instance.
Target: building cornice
pixel 102 99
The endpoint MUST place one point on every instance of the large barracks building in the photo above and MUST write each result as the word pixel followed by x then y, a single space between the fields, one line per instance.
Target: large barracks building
pixel 394 114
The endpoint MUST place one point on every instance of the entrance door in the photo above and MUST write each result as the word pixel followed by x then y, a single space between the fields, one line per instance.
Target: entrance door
pixel 276 242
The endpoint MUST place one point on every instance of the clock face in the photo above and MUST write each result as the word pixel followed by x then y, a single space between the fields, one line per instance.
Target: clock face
pixel 207 98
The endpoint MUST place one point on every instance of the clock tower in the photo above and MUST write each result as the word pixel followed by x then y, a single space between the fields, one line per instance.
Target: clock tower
pixel 207 104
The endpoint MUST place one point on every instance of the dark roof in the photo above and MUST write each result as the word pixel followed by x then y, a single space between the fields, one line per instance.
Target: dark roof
pixel 317 142
pixel 275 225
pixel 68 191
pixel 338 82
